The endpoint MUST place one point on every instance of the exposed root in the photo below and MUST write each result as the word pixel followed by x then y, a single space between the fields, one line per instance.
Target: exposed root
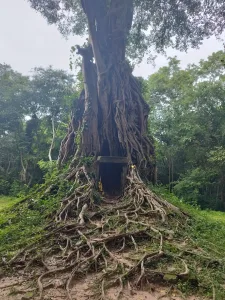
pixel 143 196
pixel 214 292
pixel 121 289
pixel 121 242
pixel 13 284
pixel 79 199
pixel 186 272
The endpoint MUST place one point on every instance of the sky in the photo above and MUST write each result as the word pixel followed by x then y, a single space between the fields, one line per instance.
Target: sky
pixel 27 41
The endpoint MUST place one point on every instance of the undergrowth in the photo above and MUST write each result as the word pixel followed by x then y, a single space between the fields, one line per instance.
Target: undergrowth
pixel 22 220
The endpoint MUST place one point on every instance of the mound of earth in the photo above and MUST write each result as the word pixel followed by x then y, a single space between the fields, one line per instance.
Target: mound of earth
pixel 135 247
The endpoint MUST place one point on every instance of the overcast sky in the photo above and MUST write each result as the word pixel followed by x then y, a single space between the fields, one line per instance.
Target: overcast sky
pixel 27 41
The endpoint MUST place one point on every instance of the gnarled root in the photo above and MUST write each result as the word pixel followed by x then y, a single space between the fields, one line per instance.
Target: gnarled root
pixel 143 197
pixel 79 199
pixel 123 242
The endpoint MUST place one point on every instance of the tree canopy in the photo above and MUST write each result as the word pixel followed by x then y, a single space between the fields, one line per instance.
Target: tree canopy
pixel 155 24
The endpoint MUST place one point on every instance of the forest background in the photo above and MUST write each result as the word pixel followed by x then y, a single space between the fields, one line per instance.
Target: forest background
pixel 187 122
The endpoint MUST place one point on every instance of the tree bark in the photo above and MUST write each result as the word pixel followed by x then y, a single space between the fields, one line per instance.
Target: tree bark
pixel 114 120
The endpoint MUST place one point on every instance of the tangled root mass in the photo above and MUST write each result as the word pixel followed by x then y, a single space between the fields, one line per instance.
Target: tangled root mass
pixel 122 241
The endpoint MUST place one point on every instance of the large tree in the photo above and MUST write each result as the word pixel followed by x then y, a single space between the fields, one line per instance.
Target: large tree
pixel 112 121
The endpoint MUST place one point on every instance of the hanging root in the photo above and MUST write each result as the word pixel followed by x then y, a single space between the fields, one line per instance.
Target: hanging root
pixel 121 242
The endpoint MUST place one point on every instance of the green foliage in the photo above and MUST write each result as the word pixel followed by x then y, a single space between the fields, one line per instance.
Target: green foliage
pixel 18 189
pixel 4 187
pixel 13 85
pixel 188 121
pixel 51 91
pixel 87 161
pixel 191 185
pixel 29 107
pixel 49 168
pixel 217 155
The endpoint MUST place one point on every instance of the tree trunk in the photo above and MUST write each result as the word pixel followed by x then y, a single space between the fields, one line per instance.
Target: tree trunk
pixel 23 172
pixel 113 119
pixel 53 139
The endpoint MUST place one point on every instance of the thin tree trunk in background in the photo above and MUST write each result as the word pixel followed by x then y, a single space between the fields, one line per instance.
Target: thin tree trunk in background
pixel 222 193
pixel 9 165
pixel 24 169
pixel 169 168
pixel 172 173
pixel 53 139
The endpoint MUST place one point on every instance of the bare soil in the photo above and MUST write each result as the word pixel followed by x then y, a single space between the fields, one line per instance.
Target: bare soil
pixel 18 288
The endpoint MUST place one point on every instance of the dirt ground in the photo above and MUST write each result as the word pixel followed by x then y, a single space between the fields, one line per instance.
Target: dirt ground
pixel 12 288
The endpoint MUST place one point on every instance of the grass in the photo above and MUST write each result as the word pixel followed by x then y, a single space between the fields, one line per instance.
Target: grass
pixel 206 231
pixel 206 227
pixel 7 202
pixel 22 223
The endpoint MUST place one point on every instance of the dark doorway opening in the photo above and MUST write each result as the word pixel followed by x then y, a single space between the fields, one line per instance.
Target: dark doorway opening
pixel 112 173
pixel 111 177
